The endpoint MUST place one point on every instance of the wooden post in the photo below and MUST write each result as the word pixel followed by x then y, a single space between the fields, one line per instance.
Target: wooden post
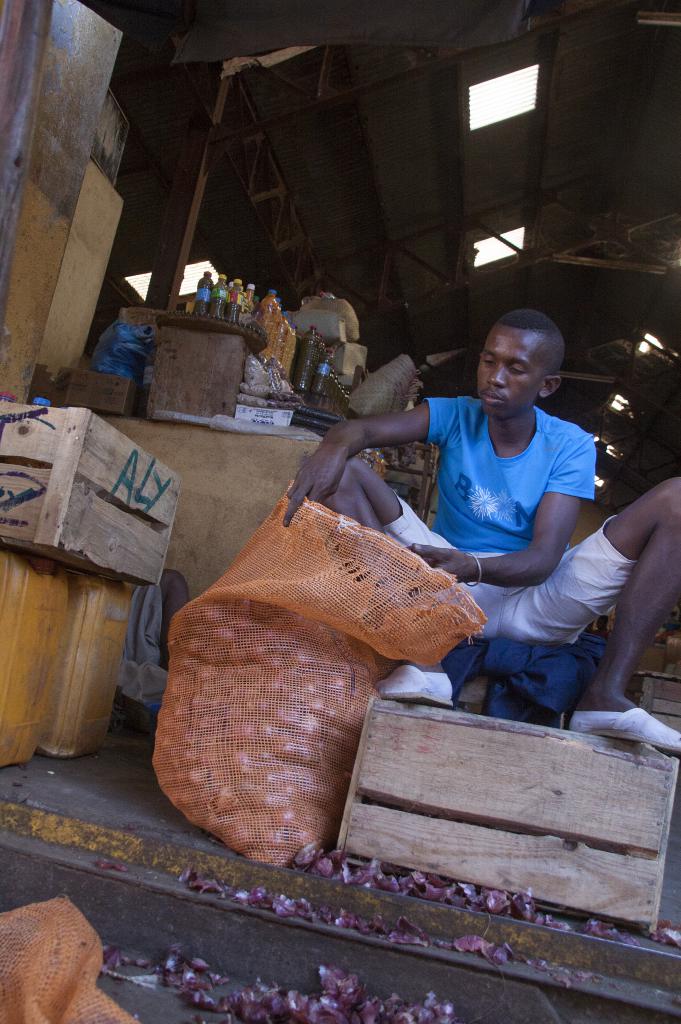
pixel 182 210
pixel 24 29
pixel 179 221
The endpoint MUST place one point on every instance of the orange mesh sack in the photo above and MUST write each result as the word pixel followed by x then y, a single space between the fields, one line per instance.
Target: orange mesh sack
pixel 272 668
pixel 329 568
pixel 50 958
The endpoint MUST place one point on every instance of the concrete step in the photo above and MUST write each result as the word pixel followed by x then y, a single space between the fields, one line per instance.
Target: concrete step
pixel 109 808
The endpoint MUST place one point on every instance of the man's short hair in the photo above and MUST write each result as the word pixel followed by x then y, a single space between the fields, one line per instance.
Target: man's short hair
pixel 534 322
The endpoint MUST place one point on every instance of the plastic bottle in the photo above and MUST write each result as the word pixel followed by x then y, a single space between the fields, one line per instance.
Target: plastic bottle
pixel 268 304
pixel 233 309
pixel 278 335
pixel 306 363
pixel 269 318
pixel 289 346
pixel 202 300
pixel 320 381
pixel 218 297
pixel 250 296
pixel 241 296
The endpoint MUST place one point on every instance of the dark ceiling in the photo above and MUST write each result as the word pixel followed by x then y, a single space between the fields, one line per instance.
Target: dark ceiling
pixel 354 168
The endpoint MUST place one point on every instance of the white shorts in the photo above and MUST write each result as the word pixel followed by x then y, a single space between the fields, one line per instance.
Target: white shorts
pixel 585 584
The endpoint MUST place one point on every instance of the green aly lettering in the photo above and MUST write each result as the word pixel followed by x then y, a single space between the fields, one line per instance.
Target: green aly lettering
pixel 127 476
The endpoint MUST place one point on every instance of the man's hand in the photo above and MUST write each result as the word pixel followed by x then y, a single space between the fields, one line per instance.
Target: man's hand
pixel 318 478
pixel 459 563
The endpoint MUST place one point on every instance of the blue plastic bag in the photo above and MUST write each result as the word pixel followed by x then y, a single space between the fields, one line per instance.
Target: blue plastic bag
pixel 124 349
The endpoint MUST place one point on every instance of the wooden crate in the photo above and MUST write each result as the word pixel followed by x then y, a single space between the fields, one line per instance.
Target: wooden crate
pixel 661 696
pixel 74 488
pixel 196 372
pixel 102 392
pixel 580 821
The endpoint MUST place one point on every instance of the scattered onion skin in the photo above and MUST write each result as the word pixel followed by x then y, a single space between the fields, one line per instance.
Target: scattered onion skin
pixel 335 865
pixel 342 997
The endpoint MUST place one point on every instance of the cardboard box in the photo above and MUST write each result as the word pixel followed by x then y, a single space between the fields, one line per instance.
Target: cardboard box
pixel 103 392
pixel 271 417
pixel 81 492
pixel 581 821
pixel 348 357
pixel 330 324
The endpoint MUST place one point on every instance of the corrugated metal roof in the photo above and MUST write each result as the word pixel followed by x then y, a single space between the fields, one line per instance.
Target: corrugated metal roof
pixel 396 166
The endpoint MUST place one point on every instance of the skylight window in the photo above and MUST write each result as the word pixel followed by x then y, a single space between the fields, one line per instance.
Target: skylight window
pixel 650 342
pixel 613 452
pixel 618 403
pixel 140 282
pixel 503 97
pixel 193 273
pixel 490 249
pixel 598 481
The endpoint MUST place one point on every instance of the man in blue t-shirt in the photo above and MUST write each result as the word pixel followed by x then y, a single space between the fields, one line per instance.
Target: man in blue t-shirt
pixel 510 483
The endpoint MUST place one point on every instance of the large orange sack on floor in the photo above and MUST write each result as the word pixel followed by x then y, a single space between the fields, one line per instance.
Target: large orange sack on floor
pixel 50 959
pixel 271 670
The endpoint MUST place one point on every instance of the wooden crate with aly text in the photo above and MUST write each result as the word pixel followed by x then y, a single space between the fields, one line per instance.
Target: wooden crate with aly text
pixel 75 489
pixel 581 821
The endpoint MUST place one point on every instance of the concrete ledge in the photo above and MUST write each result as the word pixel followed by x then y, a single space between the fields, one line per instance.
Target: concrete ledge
pixel 230 484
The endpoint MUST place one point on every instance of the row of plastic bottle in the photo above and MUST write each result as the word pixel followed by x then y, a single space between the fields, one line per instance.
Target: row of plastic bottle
pixel 231 302
pixel 305 361
pixel 228 301
pixel 314 374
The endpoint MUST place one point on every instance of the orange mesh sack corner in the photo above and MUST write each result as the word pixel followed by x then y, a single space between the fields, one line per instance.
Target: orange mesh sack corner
pixel 271 670
pixel 50 958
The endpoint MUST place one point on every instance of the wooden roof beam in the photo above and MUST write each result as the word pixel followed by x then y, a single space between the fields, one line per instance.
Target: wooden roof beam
pixel 666 19
pixel 609 264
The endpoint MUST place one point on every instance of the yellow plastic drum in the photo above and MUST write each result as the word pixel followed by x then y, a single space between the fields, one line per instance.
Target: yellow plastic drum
pixel 32 619
pixel 86 667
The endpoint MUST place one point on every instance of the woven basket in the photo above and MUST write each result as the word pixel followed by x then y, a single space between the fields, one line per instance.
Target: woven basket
pixel 342 308
pixel 386 390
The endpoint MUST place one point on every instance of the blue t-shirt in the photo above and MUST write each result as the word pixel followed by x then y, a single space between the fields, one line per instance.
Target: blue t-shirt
pixel 487 503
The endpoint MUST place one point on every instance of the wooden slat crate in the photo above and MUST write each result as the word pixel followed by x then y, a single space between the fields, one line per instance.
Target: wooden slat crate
pixel 74 488
pixel 580 821
pixel 101 392
pixel 196 373
pixel 661 696
pixel 473 694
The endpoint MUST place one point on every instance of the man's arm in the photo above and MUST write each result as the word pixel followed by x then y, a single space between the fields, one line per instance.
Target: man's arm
pixel 319 477
pixel 554 524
